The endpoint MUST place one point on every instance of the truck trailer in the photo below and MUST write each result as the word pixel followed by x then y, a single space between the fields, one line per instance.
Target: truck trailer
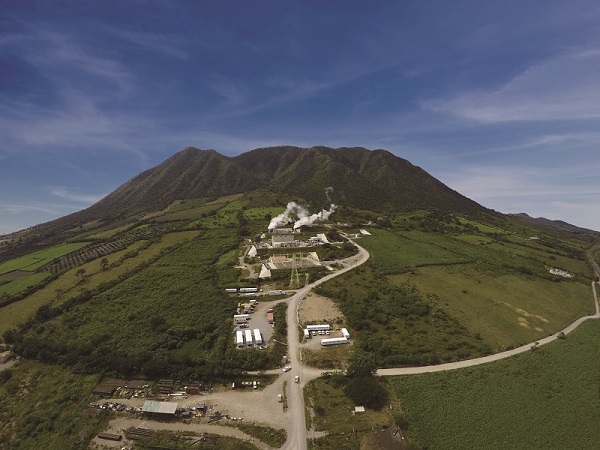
pixel 345 333
pixel 334 341
pixel 239 338
pixel 320 327
pixel 241 318
pixel 248 289
pixel 257 337
pixel 248 338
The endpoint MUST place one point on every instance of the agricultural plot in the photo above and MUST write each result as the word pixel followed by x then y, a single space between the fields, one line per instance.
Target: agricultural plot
pixel 507 309
pixel 500 291
pixel 21 284
pixel 537 400
pixel 395 253
pixel 174 300
pixel 35 260
pixel 70 284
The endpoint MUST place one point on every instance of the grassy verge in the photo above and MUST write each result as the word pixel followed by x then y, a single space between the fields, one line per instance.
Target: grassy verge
pixel 270 436
pixel 335 357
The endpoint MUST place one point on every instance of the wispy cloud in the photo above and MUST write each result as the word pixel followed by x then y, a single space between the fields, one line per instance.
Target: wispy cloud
pixel 166 44
pixel 563 88
pixel 65 194
pixel 59 55
pixel 17 208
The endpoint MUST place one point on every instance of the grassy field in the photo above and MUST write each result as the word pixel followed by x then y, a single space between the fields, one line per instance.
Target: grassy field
pixel 501 291
pixel 394 252
pixel 335 357
pixel 507 309
pixel 35 260
pixel 22 283
pixel 538 400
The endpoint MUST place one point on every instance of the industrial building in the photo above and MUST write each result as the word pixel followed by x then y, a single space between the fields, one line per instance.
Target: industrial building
pixel 160 408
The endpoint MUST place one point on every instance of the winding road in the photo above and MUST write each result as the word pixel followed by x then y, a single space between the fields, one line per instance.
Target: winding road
pixel 294 420
pixel 296 428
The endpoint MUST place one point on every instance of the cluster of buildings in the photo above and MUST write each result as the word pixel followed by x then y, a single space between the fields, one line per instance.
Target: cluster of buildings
pixel 284 238
pixel 325 329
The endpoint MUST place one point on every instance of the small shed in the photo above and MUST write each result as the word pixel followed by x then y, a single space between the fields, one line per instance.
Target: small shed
pixel 136 384
pixel 104 390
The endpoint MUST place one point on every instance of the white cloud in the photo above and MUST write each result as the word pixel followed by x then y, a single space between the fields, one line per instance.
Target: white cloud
pixel 563 88
pixel 16 208
pixel 166 44
pixel 64 193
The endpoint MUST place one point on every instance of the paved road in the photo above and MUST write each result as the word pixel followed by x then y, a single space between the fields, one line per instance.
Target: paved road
pixel 296 428
pixel 294 418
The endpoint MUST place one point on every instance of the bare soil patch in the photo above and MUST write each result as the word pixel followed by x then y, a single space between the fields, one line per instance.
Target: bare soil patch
pixel 318 309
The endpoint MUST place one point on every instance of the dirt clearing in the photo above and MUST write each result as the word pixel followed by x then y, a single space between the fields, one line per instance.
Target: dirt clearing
pixel 318 309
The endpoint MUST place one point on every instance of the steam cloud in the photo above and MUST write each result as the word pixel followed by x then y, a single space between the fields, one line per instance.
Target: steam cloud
pixel 304 217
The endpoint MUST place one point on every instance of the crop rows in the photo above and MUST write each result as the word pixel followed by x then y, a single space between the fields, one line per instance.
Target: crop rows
pixel 93 251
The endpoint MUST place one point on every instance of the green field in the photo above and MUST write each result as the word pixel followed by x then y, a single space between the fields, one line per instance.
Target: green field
pixel 500 291
pixel 20 284
pixel 70 284
pixel 547 399
pixel 507 309
pixel 35 260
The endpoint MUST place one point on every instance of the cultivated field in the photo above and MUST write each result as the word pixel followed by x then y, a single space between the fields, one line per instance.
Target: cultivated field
pixel 537 400
pixel 35 260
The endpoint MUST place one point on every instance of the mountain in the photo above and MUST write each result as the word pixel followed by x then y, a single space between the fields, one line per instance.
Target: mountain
pixel 375 180
pixel 558 224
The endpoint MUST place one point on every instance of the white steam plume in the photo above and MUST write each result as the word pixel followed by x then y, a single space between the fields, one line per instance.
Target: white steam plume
pixel 286 217
pixel 309 220
pixel 303 216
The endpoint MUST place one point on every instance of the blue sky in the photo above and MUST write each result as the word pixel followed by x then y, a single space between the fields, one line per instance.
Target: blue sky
pixel 499 100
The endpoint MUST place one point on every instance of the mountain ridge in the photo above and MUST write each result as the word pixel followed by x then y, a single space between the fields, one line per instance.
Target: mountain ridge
pixel 373 179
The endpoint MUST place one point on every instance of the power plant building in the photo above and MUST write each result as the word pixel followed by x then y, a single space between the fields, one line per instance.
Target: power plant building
pixel 283 240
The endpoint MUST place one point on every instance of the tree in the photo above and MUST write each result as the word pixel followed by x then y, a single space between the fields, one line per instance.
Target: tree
pixel 367 391
pixel 104 263
pixel 362 364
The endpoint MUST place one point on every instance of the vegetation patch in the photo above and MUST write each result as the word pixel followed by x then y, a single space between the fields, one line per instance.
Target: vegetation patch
pixel 270 436
pixel 333 412
pixel 542 399
pixel 41 406
pixel 398 325
pixel 335 357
